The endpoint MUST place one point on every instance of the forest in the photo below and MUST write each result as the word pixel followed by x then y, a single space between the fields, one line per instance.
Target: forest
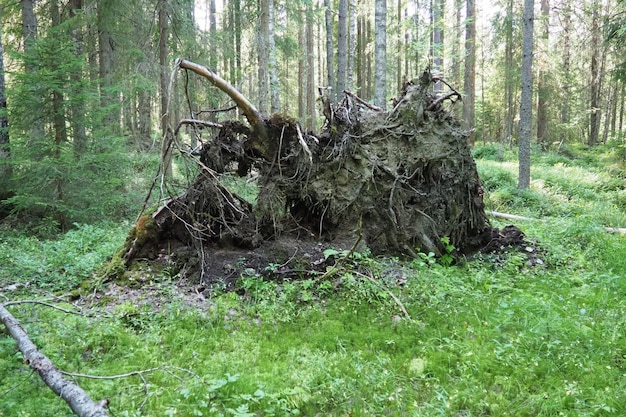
pixel 306 208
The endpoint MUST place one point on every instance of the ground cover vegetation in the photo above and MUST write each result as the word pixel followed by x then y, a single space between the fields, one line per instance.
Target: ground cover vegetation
pixel 491 335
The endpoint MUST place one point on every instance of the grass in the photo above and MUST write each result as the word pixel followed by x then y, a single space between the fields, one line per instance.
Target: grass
pixel 491 337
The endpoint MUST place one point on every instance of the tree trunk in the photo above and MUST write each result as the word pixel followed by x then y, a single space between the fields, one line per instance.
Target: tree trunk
pixel 58 106
pixel 509 86
pixel 594 85
pixel 77 109
pixel 330 48
pixel 342 48
pixel 469 78
pixel 105 61
pixel 302 90
pixel 566 72
pixel 78 400
pixel 310 83
pixel 380 46
pixel 456 43
pixel 273 66
pixel 352 44
pixel 526 110
pixel 5 145
pixel 360 56
pixel 399 48
pixel 29 34
pixel 437 40
pixel 166 148
pixel 264 56
pixel 542 73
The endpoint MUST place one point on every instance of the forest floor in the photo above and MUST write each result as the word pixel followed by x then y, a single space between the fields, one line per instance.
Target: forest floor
pixel 499 334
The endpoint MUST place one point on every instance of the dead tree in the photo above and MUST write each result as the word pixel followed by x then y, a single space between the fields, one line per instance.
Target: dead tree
pixel 395 181
pixel 78 400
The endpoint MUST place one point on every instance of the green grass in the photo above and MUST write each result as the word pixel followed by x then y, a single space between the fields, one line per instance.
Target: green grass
pixel 491 337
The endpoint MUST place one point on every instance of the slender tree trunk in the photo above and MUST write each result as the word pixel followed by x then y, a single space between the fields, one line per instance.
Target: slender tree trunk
pixel 526 109
pixel 594 85
pixel 456 44
pixel 105 63
pixel 58 107
pixel 238 29
pixel 352 42
pixel 78 120
pixel 310 54
pixel 5 145
pixel 566 72
pixel 399 48
pixel 380 46
pixel 368 61
pixel 263 56
pixel 29 34
pixel 621 110
pixel 302 90
pixel 469 79
pixel 166 148
pixel 360 55
pixel 342 48
pixel 542 87
pixel 330 48
pixel 509 85
pixel 273 66
pixel 437 40
pixel 29 31
pixel 214 42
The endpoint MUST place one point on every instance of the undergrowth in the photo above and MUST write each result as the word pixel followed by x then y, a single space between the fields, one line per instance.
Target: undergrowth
pixel 491 336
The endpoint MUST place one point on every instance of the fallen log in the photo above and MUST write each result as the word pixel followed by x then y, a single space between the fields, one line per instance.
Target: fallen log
pixel 78 400
pixel 508 216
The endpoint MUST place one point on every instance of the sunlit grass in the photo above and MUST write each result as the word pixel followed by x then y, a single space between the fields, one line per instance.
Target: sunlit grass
pixel 492 336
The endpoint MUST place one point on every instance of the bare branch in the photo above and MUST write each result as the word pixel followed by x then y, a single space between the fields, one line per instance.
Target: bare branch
pixel 248 109
pixel 78 400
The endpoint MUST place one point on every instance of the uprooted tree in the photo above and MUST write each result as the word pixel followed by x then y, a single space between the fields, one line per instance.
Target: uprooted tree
pixel 394 181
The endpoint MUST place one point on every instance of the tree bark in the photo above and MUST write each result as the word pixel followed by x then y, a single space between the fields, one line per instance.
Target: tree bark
pixel 594 84
pixel 166 148
pixel 566 72
pixel 342 48
pixel 5 145
pixel 437 40
pixel 352 43
pixel 542 85
pixel 105 61
pixel 77 108
pixel 526 109
pixel 380 49
pixel 310 82
pixel 263 54
pixel 78 400
pixel 330 48
pixel 249 110
pixel 273 66
pixel 509 86
pixel 469 78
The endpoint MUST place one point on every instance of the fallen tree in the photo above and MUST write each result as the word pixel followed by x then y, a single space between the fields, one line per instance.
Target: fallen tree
pixel 78 400
pixel 393 182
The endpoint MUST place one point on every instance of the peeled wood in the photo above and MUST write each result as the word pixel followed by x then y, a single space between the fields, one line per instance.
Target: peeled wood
pixel 248 109
pixel 78 400
pixel 516 217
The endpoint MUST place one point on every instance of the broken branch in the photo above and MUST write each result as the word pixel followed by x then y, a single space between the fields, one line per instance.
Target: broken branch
pixel 248 109
pixel 78 400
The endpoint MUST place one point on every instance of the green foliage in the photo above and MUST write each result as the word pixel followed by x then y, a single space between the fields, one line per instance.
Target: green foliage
pixel 492 336
pixel 59 264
